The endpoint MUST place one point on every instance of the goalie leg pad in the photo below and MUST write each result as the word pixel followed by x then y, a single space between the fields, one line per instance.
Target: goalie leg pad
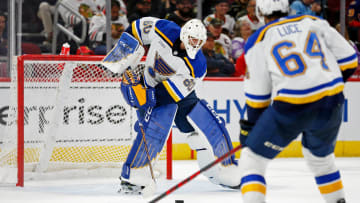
pixel 211 140
pixel 127 52
pixel 205 120
pixel 156 125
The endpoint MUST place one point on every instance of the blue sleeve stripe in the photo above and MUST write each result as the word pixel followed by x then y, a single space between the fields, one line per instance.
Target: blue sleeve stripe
pixel 258 97
pixel 173 86
pixel 327 178
pixel 172 90
pixel 252 178
pixel 313 89
pixel 347 59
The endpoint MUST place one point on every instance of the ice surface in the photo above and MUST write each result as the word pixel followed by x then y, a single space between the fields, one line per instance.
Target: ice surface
pixel 288 181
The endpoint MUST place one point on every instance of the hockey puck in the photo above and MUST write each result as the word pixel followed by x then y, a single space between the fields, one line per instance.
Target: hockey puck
pixel 179 201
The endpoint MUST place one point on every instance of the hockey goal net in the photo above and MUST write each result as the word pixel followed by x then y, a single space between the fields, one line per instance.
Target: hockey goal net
pixel 66 112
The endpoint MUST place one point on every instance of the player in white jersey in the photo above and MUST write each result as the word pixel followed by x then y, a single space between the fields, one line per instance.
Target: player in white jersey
pixel 97 28
pixel 174 66
pixel 296 70
pixel 86 8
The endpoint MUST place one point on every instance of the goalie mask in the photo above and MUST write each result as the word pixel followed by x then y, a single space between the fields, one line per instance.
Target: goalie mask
pixel 193 35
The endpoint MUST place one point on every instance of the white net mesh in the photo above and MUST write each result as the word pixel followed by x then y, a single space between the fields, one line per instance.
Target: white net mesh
pixel 74 117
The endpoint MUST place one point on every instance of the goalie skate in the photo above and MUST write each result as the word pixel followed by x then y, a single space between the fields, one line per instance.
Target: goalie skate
pixel 128 188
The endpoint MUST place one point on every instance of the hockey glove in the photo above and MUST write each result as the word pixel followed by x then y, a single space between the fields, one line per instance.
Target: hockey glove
pixel 245 130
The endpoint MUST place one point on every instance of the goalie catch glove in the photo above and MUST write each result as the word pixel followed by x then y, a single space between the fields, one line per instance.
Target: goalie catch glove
pixel 245 129
pixel 135 94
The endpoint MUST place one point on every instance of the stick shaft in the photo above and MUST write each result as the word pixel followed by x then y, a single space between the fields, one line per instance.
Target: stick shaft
pixel 147 152
pixel 169 191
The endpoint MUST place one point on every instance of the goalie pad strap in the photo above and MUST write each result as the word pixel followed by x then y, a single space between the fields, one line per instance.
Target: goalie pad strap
pixel 213 127
pixel 157 123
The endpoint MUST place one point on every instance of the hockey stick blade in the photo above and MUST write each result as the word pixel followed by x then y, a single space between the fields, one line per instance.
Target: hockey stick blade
pixel 188 179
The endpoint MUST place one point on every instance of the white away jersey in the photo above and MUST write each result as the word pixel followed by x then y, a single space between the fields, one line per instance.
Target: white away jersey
pixel 97 27
pixel 298 58
pixel 178 73
pixel 68 16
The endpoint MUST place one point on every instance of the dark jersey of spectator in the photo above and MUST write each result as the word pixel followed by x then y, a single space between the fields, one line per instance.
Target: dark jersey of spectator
pixel 175 18
pixel 183 13
pixel 238 8
pixel 354 14
pixel 218 65
pixel 142 9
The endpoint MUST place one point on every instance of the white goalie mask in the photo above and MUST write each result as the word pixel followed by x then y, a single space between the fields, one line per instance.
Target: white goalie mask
pixel 193 35
pixel 267 7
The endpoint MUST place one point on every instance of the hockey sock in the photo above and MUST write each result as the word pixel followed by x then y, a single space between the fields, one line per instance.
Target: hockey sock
pixel 253 188
pixel 330 186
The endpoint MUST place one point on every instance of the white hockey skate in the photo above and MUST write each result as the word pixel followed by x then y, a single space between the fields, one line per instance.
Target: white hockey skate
pixel 128 188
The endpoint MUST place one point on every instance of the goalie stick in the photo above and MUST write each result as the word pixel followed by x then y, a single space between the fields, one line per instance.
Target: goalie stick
pixel 147 152
pixel 188 179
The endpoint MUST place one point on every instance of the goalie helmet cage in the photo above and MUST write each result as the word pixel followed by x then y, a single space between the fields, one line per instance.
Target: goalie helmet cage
pixel 67 112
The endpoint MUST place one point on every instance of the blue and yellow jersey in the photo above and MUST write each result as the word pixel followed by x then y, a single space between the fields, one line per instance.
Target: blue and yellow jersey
pixel 297 60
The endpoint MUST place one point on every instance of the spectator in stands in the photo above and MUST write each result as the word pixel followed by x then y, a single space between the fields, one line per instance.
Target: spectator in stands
pixel 184 12
pixel 354 20
pixel 26 47
pixel 222 41
pixel 170 6
pixel 238 8
pixel 308 7
pixel 332 11
pixel 242 32
pixel 3 35
pixel 142 9
pixel 346 36
pixel 101 4
pixel 97 29
pixel 86 8
pixel 221 9
pixel 208 7
pixel 217 64
pixel 45 13
pixel 157 7
pixel 251 17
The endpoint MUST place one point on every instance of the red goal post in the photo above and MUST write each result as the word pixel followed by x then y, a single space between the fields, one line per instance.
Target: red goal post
pixel 67 112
